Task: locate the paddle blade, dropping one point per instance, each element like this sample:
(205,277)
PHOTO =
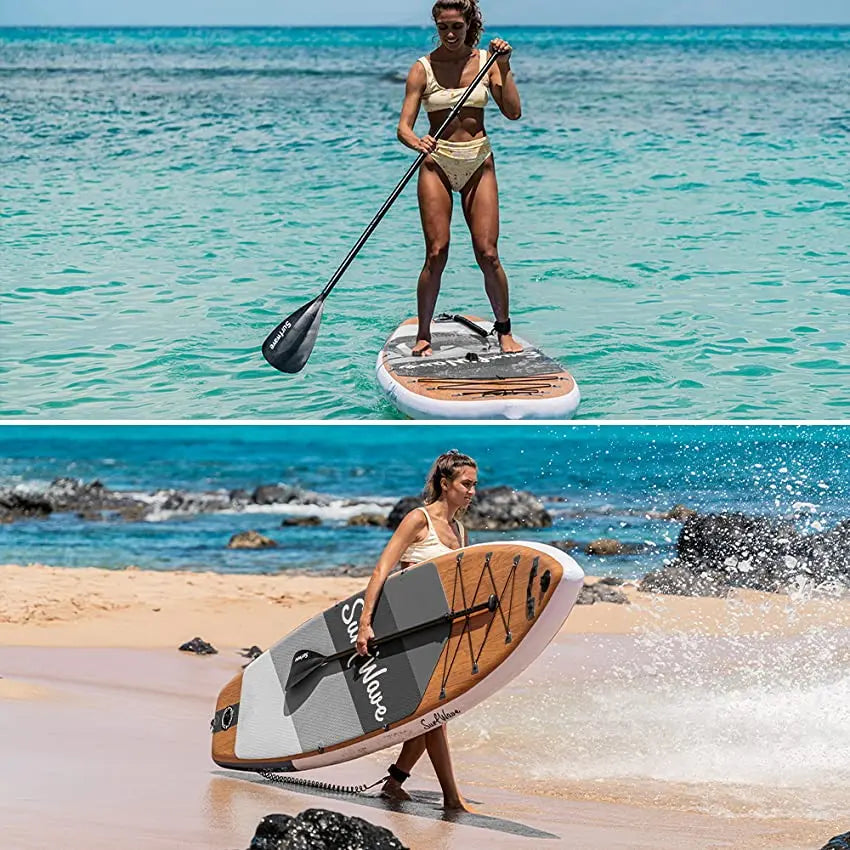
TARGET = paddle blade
(304,663)
(289,345)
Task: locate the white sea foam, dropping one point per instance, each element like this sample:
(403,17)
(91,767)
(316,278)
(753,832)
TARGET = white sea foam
(752,724)
(336,510)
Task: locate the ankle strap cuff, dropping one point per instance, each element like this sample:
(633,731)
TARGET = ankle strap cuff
(502,327)
(397,773)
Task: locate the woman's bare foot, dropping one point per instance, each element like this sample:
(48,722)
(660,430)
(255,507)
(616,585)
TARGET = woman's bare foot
(509,344)
(422,348)
(456,804)
(392,790)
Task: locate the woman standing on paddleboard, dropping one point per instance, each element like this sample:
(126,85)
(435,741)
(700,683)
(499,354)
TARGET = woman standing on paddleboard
(425,533)
(461,160)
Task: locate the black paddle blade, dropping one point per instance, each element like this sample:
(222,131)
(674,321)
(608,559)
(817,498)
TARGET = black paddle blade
(289,345)
(303,664)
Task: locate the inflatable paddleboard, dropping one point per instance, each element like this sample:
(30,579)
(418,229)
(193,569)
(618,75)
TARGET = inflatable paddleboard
(450,632)
(468,376)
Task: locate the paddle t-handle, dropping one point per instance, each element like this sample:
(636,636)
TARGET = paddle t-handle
(289,345)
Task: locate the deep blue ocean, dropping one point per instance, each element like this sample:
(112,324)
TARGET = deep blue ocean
(596,481)
(674,208)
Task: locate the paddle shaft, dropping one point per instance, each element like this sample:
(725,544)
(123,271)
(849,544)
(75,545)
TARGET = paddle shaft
(451,616)
(404,181)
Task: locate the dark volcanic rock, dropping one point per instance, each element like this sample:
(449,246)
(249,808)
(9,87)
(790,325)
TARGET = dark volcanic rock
(565,545)
(199,646)
(503,508)
(717,552)
(609,546)
(300,521)
(22,506)
(91,516)
(89,500)
(277,494)
(602,591)
(250,540)
(826,555)
(401,509)
(749,551)
(182,501)
(679,513)
(763,553)
(320,829)
(134,513)
(493,509)
(270,832)
(251,652)
(679,581)
(93,500)
(377,520)
(69,494)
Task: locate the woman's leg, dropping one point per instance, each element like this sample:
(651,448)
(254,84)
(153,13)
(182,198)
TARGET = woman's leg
(411,752)
(435,210)
(437,744)
(480,200)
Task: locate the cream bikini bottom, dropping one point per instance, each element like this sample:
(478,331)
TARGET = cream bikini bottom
(460,160)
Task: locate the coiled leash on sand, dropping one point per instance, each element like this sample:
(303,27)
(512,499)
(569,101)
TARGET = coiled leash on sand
(393,772)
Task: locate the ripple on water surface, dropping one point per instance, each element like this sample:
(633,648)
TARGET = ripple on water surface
(672,204)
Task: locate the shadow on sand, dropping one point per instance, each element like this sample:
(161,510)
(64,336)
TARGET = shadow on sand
(425,804)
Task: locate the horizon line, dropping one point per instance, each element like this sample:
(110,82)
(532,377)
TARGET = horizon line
(752,25)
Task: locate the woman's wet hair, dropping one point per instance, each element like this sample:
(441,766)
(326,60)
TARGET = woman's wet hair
(471,14)
(447,465)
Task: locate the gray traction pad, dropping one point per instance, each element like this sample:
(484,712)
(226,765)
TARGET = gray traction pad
(339,702)
(449,362)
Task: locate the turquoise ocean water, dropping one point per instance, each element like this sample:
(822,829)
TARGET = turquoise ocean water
(674,217)
(595,482)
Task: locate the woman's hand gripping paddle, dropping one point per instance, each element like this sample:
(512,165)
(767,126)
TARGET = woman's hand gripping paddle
(289,345)
(306,661)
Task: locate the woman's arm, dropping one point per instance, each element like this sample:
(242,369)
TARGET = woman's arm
(409,530)
(414,88)
(502,83)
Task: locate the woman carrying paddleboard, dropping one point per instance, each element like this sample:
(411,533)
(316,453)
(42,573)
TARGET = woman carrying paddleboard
(423,534)
(462,159)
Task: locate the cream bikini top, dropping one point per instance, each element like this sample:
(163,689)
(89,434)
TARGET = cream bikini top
(431,547)
(435,97)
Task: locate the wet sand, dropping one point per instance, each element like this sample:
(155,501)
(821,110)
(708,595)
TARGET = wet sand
(111,723)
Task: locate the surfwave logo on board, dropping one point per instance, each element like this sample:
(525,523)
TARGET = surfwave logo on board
(438,717)
(280,335)
(369,672)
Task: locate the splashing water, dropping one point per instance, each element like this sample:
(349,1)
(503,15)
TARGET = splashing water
(724,725)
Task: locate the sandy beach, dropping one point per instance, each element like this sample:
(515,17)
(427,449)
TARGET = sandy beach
(111,722)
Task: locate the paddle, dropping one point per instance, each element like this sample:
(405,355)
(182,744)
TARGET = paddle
(289,345)
(306,661)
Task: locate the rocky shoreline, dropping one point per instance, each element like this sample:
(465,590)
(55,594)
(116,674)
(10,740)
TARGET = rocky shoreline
(94,501)
(714,552)
(718,552)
